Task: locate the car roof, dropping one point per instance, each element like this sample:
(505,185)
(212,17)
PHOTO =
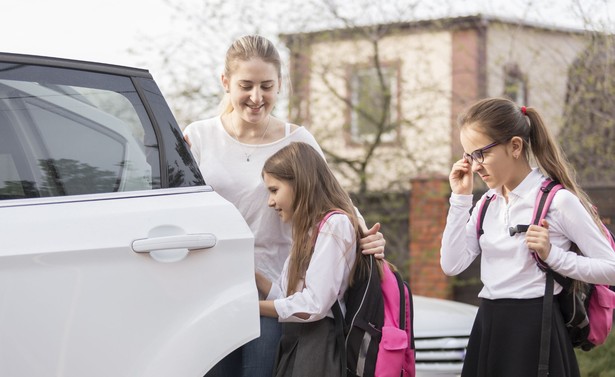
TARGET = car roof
(49,61)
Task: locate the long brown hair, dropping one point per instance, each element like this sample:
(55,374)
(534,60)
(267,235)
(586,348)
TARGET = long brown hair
(501,119)
(244,49)
(317,192)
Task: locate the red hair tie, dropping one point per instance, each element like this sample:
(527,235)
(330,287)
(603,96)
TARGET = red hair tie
(524,110)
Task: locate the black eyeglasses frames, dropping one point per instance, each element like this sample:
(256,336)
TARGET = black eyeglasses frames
(478,155)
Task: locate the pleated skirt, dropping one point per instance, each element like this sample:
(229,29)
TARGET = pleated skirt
(505,341)
(308,350)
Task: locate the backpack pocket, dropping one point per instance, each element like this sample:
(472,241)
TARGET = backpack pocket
(394,338)
(600,313)
(391,352)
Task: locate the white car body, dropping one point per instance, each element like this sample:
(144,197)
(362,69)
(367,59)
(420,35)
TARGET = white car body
(154,278)
(441,332)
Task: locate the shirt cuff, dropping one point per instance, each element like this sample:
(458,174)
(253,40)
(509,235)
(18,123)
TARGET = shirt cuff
(461,200)
(554,255)
(283,310)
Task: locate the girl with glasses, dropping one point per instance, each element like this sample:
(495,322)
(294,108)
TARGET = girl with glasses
(501,139)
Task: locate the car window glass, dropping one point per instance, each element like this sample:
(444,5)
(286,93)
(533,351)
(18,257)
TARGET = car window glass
(70,138)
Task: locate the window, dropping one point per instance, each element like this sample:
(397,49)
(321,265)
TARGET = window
(373,106)
(515,86)
(62,140)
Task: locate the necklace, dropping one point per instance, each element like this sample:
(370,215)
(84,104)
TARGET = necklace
(245,153)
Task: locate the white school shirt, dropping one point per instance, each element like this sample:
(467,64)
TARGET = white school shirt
(222,161)
(507,267)
(326,278)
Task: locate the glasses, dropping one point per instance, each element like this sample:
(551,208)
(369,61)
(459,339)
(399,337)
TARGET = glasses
(478,155)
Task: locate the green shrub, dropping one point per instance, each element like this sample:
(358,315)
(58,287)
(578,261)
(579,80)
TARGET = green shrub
(599,362)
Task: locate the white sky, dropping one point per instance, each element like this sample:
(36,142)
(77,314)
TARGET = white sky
(104,30)
(99,30)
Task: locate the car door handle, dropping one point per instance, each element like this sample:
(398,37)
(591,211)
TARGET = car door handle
(184,241)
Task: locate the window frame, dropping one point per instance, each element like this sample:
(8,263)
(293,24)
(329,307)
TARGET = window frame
(514,78)
(392,70)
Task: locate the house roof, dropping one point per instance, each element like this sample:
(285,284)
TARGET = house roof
(449,23)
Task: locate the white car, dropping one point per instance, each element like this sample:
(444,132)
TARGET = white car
(441,332)
(116,258)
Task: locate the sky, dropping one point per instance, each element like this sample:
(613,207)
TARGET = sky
(105,30)
(99,30)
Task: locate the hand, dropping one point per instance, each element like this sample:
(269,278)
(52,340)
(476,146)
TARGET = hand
(262,284)
(537,239)
(187,139)
(373,242)
(460,177)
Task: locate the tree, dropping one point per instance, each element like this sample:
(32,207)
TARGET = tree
(589,128)
(362,128)
(368,114)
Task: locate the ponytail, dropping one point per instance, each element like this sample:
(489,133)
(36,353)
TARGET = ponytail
(553,162)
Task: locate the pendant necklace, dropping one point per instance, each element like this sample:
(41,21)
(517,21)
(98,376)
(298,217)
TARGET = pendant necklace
(246,154)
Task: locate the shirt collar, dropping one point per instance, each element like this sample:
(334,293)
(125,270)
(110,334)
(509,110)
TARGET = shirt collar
(527,186)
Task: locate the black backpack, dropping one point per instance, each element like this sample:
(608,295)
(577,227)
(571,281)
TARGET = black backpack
(359,333)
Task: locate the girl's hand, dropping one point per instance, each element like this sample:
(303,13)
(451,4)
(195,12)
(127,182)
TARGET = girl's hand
(537,239)
(373,242)
(460,177)
(262,284)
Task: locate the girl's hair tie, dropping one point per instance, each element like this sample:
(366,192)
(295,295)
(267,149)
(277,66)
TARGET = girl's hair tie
(524,110)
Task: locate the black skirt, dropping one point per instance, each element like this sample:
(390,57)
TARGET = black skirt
(505,341)
(308,350)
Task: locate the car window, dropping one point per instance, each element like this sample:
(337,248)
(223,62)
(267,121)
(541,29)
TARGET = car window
(73,136)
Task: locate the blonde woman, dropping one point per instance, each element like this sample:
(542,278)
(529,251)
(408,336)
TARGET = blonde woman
(231,149)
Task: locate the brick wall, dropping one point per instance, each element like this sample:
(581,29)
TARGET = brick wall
(428,209)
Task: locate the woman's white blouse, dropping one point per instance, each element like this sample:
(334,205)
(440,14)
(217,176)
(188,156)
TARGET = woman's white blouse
(326,278)
(507,267)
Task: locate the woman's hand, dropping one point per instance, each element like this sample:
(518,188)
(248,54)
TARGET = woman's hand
(373,242)
(537,239)
(460,177)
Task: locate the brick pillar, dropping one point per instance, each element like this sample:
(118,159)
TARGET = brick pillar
(428,210)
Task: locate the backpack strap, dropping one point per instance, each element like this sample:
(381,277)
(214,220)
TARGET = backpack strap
(338,317)
(322,223)
(543,201)
(340,338)
(481,215)
(324,219)
(402,300)
(545,329)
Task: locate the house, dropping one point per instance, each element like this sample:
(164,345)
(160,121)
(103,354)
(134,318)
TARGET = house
(393,92)
(383,101)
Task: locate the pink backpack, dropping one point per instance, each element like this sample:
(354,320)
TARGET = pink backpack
(376,335)
(394,351)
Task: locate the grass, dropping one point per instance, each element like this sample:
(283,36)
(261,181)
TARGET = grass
(600,361)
